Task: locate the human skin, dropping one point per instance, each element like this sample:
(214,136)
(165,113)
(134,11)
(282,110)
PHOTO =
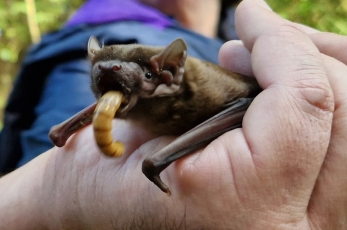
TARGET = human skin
(285,169)
(201,16)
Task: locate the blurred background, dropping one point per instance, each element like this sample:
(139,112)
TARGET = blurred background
(22,22)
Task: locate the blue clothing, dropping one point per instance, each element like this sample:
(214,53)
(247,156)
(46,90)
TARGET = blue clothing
(53,83)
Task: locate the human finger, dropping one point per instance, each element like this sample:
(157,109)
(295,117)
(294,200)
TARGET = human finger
(287,128)
(235,57)
(331,44)
(327,208)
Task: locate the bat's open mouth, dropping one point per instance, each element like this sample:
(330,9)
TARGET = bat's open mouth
(109,83)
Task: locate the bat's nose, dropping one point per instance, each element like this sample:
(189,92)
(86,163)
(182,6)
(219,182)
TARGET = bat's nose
(105,68)
(116,67)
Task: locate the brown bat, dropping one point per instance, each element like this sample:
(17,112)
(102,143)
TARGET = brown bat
(169,94)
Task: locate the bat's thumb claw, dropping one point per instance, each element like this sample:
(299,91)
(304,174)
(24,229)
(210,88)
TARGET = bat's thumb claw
(163,187)
(168,192)
(152,172)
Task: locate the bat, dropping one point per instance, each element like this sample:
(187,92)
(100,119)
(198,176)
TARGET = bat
(168,93)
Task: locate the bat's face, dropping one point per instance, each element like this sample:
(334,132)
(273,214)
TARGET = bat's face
(135,70)
(127,77)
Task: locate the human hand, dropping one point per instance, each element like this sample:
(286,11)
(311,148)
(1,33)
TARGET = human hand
(269,174)
(326,206)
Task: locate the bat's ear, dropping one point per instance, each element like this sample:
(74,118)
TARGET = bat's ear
(169,63)
(93,46)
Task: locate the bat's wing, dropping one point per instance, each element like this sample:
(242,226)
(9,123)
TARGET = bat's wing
(61,132)
(196,138)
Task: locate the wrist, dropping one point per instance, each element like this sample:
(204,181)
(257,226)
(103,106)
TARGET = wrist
(20,203)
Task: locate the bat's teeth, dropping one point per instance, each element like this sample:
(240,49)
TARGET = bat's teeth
(131,103)
(127,90)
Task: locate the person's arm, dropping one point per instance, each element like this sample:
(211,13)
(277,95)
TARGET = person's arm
(284,169)
(20,200)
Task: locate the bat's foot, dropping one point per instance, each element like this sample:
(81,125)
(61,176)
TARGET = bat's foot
(152,172)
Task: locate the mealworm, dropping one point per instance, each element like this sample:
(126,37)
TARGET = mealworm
(102,123)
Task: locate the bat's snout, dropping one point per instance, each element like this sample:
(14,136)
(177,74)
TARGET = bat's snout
(105,67)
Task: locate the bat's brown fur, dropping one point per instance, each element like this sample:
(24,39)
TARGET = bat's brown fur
(205,91)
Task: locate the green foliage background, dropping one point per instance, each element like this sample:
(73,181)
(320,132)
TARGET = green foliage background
(15,36)
(325,15)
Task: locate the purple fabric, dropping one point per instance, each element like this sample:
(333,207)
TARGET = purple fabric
(104,11)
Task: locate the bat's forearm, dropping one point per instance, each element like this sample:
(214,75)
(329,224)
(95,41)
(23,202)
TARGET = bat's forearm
(61,132)
(194,139)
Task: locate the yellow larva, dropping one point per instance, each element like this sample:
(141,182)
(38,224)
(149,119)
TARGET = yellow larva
(102,123)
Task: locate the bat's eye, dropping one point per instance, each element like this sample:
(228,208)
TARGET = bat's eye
(148,75)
